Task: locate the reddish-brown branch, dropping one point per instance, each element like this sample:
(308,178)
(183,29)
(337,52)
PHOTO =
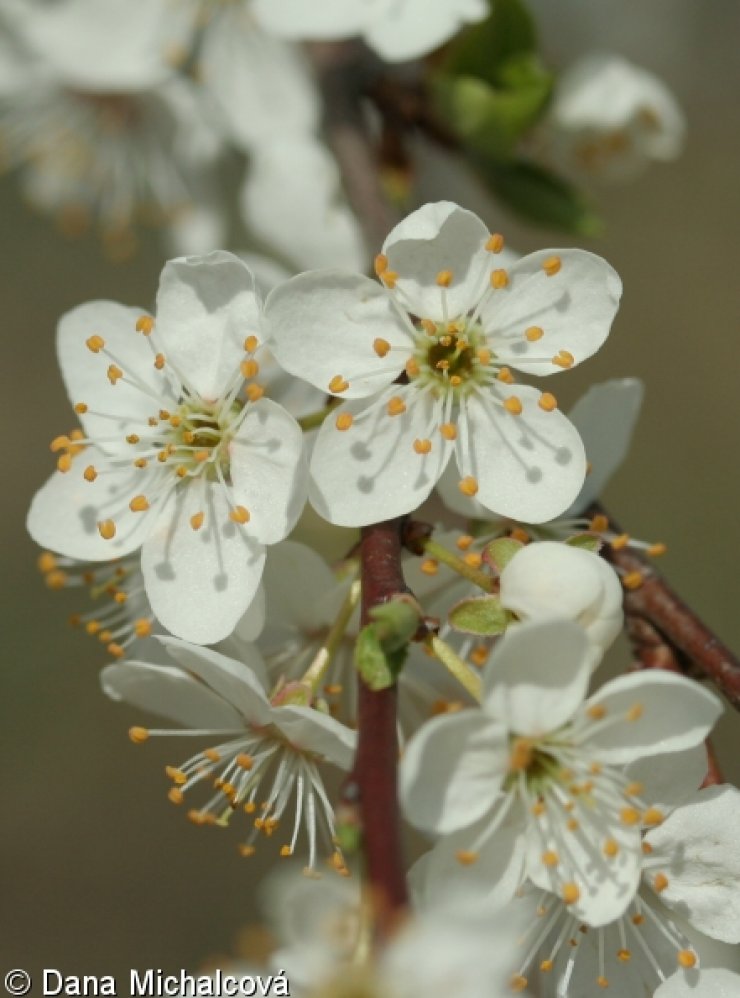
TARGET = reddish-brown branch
(681,629)
(372,786)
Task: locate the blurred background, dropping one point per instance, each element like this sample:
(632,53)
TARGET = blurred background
(99,871)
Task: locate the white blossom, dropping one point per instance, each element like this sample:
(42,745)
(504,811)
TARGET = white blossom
(454,324)
(179,457)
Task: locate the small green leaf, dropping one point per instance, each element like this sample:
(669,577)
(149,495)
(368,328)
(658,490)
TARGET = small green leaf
(586,541)
(395,622)
(482,615)
(348,837)
(501,551)
(540,196)
(371,661)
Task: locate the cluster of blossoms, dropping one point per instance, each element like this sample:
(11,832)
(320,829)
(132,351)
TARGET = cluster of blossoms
(574,814)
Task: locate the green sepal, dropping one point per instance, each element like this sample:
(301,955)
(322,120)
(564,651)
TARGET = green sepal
(349,837)
(500,552)
(540,196)
(379,668)
(396,622)
(482,615)
(586,541)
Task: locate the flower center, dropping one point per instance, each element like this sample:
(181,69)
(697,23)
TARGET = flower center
(450,356)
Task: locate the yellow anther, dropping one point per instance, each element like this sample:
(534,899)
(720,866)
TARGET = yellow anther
(546,966)
(518,982)
(181,471)
(448,431)
(212,755)
(396,406)
(464,541)
(422,446)
(547,401)
(56,579)
(474,559)
(104,636)
(254,392)
(495,242)
(244,761)
(138,735)
(411,367)
(107,529)
(429,566)
(389,278)
(656,550)
(635,712)
(140,462)
(633,580)
(196,520)
(624,955)
(142,627)
(429,327)
(176,775)
(286,851)
(239,514)
(563,358)
(521,754)
(599,523)
(572,825)
(484,356)
(46,562)
(660,882)
(114,373)
(517,534)
(444,278)
(637,919)
(249,368)
(338,384)
(92,627)
(610,849)
(144,324)
(570,892)
(505,375)
(175,420)
(188,436)
(634,789)
(646,848)
(550,858)
(344,421)
(468,485)
(246,850)
(59,443)
(602,981)
(596,711)
(250,807)
(139,504)
(534,333)
(81,407)
(333,689)
(116,650)
(538,808)
(381,346)
(251,343)
(686,958)
(64,463)
(629,816)
(95,343)
(381,264)
(479,656)
(159,361)
(513,405)
(442,365)
(175,795)
(455,380)
(617,543)
(201,455)
(653,816)
(552,265)
(466,857)
(152,420)
(499,279)
(132,438)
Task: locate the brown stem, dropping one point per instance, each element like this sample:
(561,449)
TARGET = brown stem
(679,626)
(372,786)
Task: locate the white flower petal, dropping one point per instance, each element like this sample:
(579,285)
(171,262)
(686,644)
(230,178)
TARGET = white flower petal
(292,200)
(659,712)
(200,582)
(549,579)
(700,842)
(298,581)
(528,467)
(235,682)
(537,676)
(435,238)
(171,693)
(574,309)
(714,982)
(605,418)
(67,509)
(327,20)
(311,731)
(268,470)
(85,374)
(669,779)
(371,471)
(413,28)
(206,306)
(452,770)
(261,84)
(324,324)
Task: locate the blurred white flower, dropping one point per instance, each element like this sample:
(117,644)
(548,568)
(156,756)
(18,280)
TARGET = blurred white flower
(183,455)
(609,119)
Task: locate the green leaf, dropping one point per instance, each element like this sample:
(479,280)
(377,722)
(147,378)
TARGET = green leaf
(482,615)
(586,541)
(484,48)
(371,661)
(540,196)
(501,551)
(396,622)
